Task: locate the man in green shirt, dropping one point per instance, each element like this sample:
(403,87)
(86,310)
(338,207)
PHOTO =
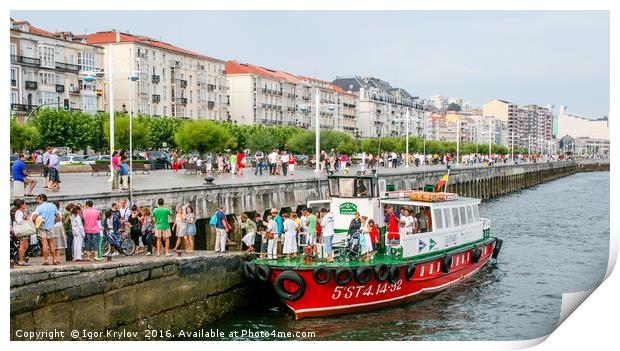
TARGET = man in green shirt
(162,226)
(311,224)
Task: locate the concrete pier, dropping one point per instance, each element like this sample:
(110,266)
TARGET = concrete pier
(126,295)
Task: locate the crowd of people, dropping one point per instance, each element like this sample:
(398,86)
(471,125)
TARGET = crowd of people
(81,231)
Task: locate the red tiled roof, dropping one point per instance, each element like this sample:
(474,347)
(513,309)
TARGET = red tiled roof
(38,31)
(233,67)
(110,37)
(326,84)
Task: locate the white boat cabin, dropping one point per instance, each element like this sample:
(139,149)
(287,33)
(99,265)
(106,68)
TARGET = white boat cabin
(452,223)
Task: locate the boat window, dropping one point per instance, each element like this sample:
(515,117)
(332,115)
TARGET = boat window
(438,218)
(470,217)
(363,188)
(463,217)
(476,214)
(346,186)
(333,187)
(447,217)
(455,216)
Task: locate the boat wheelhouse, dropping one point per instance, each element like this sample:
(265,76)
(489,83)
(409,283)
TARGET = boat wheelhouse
(453,245)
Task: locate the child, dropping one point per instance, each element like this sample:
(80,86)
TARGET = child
(191,227)
(77,228)
(374,237)
(124,173)
(291,164)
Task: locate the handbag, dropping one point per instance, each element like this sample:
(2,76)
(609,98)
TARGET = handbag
(25,229)
(213,220)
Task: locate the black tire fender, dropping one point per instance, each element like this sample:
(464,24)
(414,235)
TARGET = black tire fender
(410,271)
(318,271)
(263,273)
(363,274)
(249,270)
(446,264)
(476,255)
(348,276)
(498,247)
(381,272)
(394,274)
(292,276)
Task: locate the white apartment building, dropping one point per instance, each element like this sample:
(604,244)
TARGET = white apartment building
(383,109)
(48,67)
(581,127)
(173,82)
(260,95)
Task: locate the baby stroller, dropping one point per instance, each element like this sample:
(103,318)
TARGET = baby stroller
(352,249)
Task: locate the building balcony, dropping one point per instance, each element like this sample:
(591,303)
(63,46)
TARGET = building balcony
(156,98)
(211,105)
(67,67)
(13,82)
(22,107)
(31,85)
(211,87)
(75,90)
(183,83)
(60,88)
(26,61)
(155,79)
(181,100)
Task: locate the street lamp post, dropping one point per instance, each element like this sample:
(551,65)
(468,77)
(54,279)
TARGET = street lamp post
(132,78)
(111,104)
(317,127)
(458,139)
(407,140)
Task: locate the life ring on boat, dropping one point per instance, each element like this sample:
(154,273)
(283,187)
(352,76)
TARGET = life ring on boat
(394,274)
(262,272)
(498,247)
(291,276)
(447,264)
(363,274)
(348,276)
(381,272)
(476,256)
(320,271)
(249,269)
(409,271)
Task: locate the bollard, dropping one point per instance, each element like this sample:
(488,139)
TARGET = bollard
(179,253)
(108,258)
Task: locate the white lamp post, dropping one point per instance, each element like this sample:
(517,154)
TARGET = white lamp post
(132,78)
(407,140)
(458,139)
(317,131)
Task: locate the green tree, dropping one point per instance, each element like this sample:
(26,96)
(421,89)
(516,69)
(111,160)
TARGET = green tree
(262,139)
(162,130)
(203,136)
(73,129)
(140,136)
(23,136)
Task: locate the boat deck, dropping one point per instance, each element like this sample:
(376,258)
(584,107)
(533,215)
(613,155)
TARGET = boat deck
(298,262)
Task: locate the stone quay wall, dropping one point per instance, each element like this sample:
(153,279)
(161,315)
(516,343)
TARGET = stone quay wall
(127,296)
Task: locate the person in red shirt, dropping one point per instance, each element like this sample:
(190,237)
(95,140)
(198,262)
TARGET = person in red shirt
(291,164)
(240,162)
(393,234)
(374,237)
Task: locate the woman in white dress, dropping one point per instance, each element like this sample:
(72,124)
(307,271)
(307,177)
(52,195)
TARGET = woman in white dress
(181,230)
(366,242)
(290,233)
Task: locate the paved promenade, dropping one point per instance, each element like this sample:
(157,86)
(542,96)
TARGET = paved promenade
(84,183)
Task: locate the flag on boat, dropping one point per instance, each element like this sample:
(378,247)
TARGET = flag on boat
(442,182)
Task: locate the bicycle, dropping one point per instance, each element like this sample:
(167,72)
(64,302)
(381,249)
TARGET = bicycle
(121,242)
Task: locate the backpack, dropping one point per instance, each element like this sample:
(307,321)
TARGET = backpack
(213,220)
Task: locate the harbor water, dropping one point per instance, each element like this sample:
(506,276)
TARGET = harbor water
(556,240)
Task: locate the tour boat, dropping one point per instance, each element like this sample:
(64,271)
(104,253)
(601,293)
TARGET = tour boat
(456,245)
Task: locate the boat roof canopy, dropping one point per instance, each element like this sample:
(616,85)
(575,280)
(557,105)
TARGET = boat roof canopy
(453,203)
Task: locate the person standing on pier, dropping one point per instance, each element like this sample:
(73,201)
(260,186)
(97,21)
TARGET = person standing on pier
(147,230)
(49,215)
(290,232)
(250,232)
(135,227)
(258,156)
(91,217)
(77,230)
(190,221)
(116,170)
(162,226)
(220,229)
(273,159)
(180,230)
(240,162)
(311,223)
(284,159)
(272,238)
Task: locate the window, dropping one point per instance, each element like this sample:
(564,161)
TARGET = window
(165,112)
(164,93)
(13,49)
(470,217)
(463,216)
(455,216)
(346,187)
(47,78)
(163,73)
(14,99)
(476,214)
(88,103)
(46,54)
(86,60)
(438,218)
(48,97)
(447,217)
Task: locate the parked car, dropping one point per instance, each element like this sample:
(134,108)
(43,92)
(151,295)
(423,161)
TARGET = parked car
(159,159)
(91,160)
(71,159)
(14,157)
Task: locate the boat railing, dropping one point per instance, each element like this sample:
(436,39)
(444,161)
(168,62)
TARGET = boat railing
(486,227)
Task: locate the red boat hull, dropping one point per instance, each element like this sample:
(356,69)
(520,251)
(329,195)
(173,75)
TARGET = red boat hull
(332,299)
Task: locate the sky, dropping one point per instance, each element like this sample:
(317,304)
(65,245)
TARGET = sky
(540,57)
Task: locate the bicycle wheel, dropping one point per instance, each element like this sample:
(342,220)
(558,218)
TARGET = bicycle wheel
(128,247)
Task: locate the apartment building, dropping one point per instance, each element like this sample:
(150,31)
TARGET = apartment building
(48,67)
(173,81)
(260,95)
(538,128)
(581,127)
(383,109)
